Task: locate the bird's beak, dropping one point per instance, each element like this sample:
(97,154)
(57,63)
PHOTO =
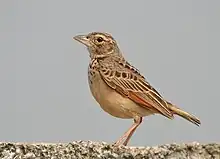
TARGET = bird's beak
(82,39)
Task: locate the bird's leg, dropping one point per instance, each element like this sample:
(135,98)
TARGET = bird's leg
(127,135)
(137,122)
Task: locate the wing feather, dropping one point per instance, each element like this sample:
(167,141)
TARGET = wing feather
(132,84)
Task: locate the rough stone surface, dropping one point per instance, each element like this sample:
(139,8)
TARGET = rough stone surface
(89,150)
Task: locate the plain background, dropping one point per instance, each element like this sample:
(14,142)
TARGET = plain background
(44,94)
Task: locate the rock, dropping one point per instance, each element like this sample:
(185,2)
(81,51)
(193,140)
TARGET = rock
(89,150)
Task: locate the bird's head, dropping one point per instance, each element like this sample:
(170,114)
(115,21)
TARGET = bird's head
(99,44)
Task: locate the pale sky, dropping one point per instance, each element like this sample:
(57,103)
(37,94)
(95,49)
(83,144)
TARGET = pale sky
(44,93)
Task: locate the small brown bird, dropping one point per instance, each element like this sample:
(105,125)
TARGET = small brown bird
(119,87)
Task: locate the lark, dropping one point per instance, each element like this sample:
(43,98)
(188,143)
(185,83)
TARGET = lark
(120,89)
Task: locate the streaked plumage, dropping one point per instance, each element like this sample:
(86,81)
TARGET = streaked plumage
(119,87)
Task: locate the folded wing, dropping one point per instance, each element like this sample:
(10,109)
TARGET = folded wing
(129,82)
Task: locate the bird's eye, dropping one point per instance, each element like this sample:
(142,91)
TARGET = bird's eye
(100,39)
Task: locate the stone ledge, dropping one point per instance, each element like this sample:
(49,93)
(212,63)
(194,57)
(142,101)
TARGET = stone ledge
(89,150)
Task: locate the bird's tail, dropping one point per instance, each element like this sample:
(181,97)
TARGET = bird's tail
(184,114)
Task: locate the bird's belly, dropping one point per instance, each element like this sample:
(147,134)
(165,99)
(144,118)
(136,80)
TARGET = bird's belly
(113,102)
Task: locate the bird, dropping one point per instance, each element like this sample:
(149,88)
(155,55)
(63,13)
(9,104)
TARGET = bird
(120,89)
